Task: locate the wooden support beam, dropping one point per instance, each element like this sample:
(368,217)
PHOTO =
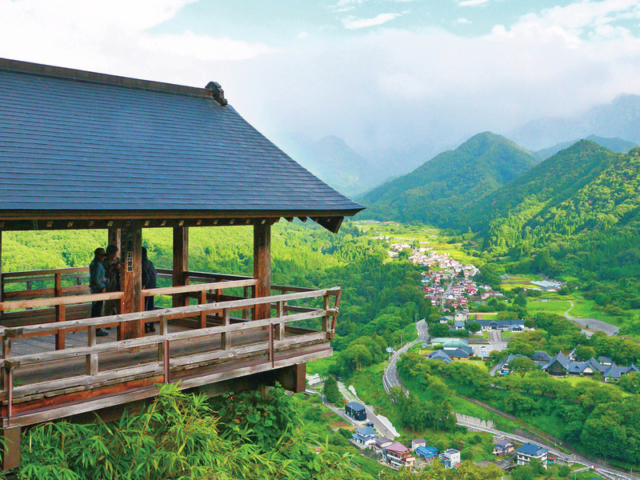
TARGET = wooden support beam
(292,378)
(225,337)
(203,314)
(131,279)
(11,438)
(60,312)
(180,263)
(92,358)
(262,267)
(1,276)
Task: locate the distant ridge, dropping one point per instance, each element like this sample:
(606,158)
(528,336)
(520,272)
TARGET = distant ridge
(444,186)
(619,118)
(614,144)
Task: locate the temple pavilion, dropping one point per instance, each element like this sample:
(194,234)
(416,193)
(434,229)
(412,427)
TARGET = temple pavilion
(82,150)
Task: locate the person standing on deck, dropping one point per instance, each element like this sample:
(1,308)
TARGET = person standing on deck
(97,284)
(149,278)
(112,267)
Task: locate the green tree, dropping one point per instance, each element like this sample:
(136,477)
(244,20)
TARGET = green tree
(331,390)
(584,353)
(521,365)
(474,327)
(630,382)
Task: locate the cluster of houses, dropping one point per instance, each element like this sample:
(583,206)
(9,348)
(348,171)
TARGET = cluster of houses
(561,365)
(395,454)
(524,454)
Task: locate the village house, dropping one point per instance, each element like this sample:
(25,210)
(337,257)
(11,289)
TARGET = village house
(530,451)
(379,444)
(502,447)
(560,365)
(429,454)
(397,455)
(355,411)
(418,442)
(364,437)
(503,325)
(440,355)
(450,458)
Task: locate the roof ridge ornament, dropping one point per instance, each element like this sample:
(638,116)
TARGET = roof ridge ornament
(218,93)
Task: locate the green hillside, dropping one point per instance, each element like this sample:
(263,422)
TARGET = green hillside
(575,214)
(444,187)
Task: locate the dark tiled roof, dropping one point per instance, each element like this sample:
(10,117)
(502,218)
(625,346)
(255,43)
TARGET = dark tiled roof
(355,406)
(459,353)
(501,323)
(440,355)
(541,356)
(71,140)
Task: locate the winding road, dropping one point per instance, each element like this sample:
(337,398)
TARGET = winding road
(592,324)
(390,378)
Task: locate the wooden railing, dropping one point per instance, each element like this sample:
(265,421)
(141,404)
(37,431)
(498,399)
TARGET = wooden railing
(60,297)
(163,363)
(29,278)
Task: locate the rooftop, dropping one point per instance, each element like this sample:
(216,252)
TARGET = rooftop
(80,141)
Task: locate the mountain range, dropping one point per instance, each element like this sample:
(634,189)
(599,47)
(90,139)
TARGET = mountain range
(445,186)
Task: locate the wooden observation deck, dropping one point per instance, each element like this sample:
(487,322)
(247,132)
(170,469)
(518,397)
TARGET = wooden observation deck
(80,150)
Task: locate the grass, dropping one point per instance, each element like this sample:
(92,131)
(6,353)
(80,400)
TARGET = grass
(583,308)
(320,366)
(558,307)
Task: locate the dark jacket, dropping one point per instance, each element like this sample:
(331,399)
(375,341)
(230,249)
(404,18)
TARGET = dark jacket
(149,274)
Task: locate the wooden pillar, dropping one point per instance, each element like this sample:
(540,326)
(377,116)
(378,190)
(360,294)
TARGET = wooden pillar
(11,451)
(180,263)
(1,277)
(262,267)
(60,313)
(131,279)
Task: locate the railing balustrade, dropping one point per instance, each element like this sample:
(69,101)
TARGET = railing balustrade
(162,363)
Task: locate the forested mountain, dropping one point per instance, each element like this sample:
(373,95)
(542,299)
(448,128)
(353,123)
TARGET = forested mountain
(577,213)
(614,144)
(448,184)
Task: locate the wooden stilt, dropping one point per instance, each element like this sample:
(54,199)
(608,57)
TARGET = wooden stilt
(131,279)
(262,267)
(180,263)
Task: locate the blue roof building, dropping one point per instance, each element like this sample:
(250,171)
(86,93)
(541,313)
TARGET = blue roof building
(428,453)
(530,451)
(364,436)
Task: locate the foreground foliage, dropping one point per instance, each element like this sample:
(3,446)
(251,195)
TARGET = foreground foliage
(179,436)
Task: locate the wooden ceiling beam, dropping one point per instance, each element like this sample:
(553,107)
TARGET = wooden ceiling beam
(64,224)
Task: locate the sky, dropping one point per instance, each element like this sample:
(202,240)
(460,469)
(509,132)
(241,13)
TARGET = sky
(383,75)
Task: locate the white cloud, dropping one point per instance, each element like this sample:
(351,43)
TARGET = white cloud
(576,19)
(353,23)
(472,3)
(112,36)
(385,89)
(462,21)
(302,36)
